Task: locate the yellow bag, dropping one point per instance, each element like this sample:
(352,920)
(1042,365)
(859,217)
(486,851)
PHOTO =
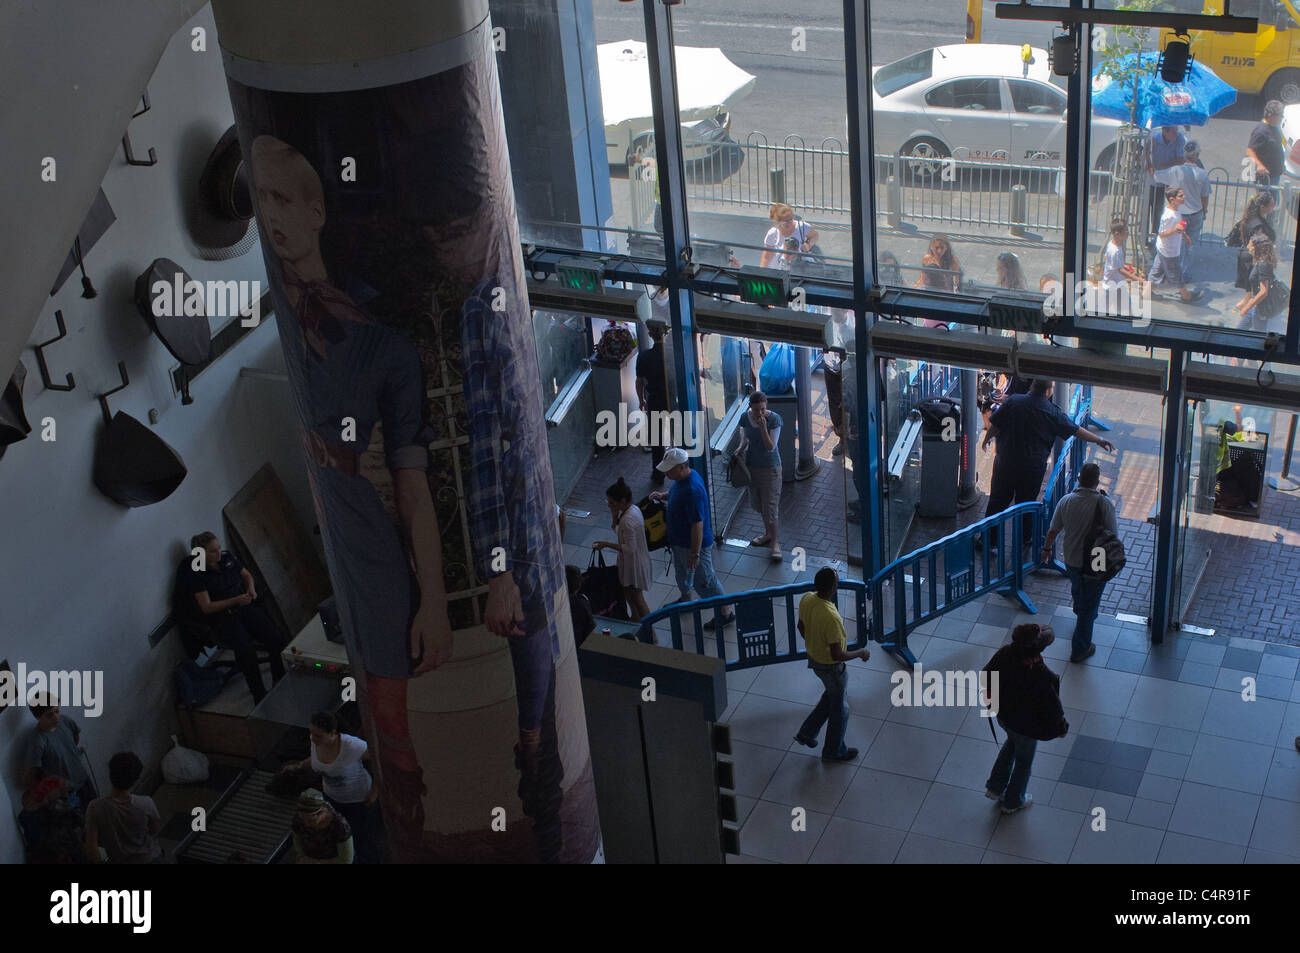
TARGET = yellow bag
(655,516)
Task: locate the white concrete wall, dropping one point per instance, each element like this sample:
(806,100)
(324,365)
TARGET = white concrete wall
(83,580)
(70,77)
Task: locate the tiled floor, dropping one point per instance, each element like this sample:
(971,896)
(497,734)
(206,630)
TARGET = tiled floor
(1169,758)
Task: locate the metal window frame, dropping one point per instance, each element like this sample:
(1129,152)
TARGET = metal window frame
(870,303)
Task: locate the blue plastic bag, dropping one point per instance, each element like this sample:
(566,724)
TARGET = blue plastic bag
(777,373)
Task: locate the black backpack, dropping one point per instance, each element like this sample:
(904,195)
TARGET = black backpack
(1099,537)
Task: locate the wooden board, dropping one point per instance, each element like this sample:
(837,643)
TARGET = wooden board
(264,530)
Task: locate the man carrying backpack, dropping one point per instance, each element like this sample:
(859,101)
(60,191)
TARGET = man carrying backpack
(1027,695)
(1086,516)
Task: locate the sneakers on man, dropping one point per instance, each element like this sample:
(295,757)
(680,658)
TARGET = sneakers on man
(848,755)
(1088,653)
(1029,799)
(806,742)
(992,795)
(712,623)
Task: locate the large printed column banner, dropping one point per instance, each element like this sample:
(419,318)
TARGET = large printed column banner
(387,220)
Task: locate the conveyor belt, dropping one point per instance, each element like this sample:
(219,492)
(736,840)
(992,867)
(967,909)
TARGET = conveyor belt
(246,819)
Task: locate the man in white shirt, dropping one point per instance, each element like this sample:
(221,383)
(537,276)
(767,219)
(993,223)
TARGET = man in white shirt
(1167,269)
(1074,517)
(1195,183)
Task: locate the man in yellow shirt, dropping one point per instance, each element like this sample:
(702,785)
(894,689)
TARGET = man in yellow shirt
(823,634)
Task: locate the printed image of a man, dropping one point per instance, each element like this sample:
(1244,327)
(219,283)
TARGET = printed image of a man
(353,374)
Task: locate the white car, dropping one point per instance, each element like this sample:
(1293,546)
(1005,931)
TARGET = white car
(978,102)
(707,85)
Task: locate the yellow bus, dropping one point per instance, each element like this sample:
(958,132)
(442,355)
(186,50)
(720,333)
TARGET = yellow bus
(1266,62)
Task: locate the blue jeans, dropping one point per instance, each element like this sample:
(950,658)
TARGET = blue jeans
(832,707)
(1011,771)
(1086,593)
(703,580)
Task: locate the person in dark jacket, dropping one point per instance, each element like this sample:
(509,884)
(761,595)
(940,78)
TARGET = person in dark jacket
(1026,696)
(1255,221)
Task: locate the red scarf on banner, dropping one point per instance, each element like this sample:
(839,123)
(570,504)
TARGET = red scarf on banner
(320,308)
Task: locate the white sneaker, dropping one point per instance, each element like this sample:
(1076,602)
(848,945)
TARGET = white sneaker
(1029,799)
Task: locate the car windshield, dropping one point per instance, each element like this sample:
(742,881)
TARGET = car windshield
(903,73)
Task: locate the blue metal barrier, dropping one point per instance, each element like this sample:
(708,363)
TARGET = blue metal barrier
(756,631)
(970,563)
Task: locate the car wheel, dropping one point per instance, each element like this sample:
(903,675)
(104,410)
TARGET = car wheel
(1284,85)
(922,160)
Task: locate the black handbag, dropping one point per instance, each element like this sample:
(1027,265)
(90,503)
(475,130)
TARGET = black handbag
(603,590)
(738,474)
(1099,537)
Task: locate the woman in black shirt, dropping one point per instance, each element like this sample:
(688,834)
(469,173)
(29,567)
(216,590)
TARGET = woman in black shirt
(1267,297)
(1253,222)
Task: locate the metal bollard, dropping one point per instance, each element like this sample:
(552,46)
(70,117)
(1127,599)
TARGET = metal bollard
(894,201)
(1019,209)
(776,185)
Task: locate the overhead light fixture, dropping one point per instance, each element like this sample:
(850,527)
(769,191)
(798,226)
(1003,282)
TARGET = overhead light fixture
(1065,55)
(1176,60)
(87,289)
(1180,22)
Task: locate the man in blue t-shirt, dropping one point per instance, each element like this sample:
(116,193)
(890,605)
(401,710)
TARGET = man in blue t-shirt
(1026,427)
(54,750)
(690,533)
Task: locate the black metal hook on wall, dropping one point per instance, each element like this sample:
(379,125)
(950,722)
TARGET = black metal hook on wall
(103,398)
(40,357)
(126,138)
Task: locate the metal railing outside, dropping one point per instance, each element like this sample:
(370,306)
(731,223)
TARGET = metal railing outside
(814,179)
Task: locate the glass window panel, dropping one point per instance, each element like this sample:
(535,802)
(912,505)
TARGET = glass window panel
(762,109)
(1197,279)
(969,137)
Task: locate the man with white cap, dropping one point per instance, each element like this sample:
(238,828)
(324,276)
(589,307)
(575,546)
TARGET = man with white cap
(690,533)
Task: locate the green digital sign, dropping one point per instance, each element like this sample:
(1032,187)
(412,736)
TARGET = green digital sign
(758,289)
(580,275)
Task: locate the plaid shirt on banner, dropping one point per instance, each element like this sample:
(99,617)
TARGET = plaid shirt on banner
(510,465)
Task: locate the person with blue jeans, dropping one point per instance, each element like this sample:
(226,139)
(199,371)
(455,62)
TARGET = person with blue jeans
(690,533)
(1074,517)
(823,633)
(1025,695)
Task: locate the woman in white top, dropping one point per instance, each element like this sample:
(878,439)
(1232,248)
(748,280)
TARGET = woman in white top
(633,553)
(338,758)
(785,225)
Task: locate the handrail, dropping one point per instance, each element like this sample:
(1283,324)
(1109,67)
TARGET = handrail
(756,636)
(727,427)
(568,395)
(958,557)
